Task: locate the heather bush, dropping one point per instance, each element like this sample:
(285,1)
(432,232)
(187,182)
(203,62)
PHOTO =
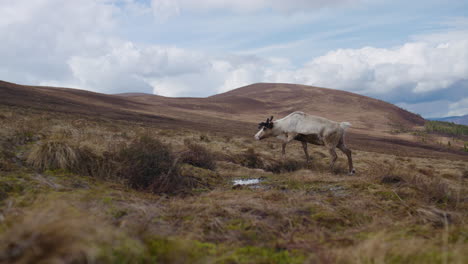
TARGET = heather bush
(149,164)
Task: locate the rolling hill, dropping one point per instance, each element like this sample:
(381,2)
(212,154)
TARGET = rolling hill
(235,112)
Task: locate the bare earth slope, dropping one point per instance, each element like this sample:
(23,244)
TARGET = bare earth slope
(237,111)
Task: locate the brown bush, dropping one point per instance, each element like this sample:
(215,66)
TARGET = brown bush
(198,156)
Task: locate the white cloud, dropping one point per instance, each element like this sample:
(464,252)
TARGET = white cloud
(415,67)
(38,36)
(127,66)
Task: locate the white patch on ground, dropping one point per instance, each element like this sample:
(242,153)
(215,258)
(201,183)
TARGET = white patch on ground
(246,181)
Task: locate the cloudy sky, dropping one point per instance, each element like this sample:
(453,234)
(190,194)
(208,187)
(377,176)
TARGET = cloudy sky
(411,53)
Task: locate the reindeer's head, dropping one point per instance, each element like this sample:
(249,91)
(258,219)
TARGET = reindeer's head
(266,129)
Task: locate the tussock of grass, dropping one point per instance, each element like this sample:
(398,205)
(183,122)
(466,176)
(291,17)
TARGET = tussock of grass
(60,154)
(54,154)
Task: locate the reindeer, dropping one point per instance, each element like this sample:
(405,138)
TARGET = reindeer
(308,129)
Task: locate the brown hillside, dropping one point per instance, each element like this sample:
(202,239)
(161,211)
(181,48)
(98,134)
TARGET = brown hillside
(237,112)
(362,111)
(255,102)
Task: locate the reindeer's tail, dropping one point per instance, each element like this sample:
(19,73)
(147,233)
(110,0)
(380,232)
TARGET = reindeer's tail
(345,125)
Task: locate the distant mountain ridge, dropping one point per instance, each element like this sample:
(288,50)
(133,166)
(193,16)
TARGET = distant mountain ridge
(461,120)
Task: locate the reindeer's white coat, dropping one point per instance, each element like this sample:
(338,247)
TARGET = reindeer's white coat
(329,132)
(302,123)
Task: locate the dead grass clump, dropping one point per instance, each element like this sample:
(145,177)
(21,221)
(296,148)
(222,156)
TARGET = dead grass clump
(54,154)
(58,154)
(198,156)
(148,164)
(436,190)
(434,216)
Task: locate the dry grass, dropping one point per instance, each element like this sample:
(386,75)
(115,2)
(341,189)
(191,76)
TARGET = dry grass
(394,210)
(54,155)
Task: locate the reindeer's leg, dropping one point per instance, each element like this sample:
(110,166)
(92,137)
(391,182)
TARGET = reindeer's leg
(333,155)
(288,138)
(347,151)
(304,146)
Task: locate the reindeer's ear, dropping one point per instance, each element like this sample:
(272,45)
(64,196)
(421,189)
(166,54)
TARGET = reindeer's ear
(271,118)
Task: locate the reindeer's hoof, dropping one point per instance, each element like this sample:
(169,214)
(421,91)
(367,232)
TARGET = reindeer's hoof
(352,172)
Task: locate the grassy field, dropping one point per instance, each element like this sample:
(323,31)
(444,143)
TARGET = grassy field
(79,190)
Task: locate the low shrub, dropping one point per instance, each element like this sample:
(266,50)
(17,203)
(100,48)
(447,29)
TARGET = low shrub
(149,164)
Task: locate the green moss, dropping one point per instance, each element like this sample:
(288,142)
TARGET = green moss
(163,250)
(261,255)
(16,184)
(184,251)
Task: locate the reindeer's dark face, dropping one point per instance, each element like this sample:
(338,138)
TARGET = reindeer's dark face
(266,129)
